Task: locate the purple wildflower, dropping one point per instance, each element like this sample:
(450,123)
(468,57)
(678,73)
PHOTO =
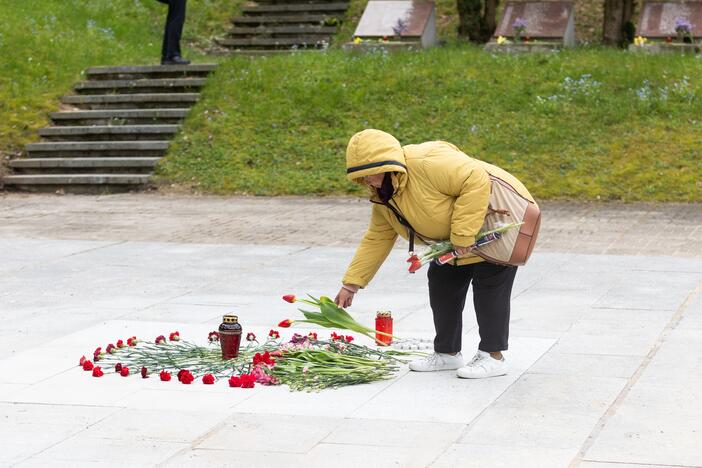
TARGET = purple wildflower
(519,24)
(683,26)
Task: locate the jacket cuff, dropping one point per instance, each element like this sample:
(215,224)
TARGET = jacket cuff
(354,280)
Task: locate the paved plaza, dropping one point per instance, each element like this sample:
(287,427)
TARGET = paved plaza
(605,349)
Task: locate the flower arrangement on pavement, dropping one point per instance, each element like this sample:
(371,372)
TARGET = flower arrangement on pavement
(302,363)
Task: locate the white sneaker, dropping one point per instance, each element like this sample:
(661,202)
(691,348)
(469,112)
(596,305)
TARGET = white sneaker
(437,362)
(483,365)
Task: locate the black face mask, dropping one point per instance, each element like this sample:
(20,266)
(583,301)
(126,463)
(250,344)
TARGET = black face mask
(386,190)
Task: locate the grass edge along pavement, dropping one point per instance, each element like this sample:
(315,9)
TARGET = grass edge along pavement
(587,124)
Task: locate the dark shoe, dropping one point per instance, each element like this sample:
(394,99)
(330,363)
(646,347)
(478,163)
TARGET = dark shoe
(177,60)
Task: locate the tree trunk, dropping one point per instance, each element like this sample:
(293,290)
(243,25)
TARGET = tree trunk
(477,19)
(617,16)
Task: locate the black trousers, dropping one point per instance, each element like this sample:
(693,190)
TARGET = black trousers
(492,288)
(174,28)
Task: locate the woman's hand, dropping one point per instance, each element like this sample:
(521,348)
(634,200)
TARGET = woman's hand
(462,250)
(345,296)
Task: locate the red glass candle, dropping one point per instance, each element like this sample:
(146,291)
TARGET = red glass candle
(383,323)
(230,336)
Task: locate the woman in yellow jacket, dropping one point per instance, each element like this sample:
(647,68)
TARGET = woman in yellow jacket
(429,192)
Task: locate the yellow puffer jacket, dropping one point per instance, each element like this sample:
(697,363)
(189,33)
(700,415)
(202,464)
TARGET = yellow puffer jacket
(439,190)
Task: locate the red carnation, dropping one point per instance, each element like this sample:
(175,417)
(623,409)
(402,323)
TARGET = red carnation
(144,373)
(213,336)
(208,379)
(118,367)
(160,339)
(274,334)
(97,354)
(415,266)
(276,353)
(81,361)
(120,344)
(87,365)
(124,371)
(336,337)
(110,348)
(97,372)
(175,336)
(348,338)
(234,381)
(247,381)
(187,378)
(132,341)
(165,376)
(180,373)
(285,323)
(250,337)
(289,298)
(312,336)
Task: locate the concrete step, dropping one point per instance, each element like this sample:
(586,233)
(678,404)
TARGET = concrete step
(277,31)
(264,52)
(150,71)
(287,8)
(109,132)
(132,101)
(84,165)
(166,85)
(284,19)
(119,117)
(97,148)
(303,42)
(77,183)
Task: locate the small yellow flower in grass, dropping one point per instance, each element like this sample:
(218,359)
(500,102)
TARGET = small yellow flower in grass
(639,41)
(501,40)
(357,40)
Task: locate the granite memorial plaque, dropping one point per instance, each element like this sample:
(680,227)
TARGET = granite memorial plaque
(542,20)
(658,19)
(403,19)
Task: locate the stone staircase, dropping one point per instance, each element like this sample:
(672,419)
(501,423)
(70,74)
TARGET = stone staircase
(112,132)
(282,26)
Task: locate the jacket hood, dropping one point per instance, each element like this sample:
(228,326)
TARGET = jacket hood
(372,152)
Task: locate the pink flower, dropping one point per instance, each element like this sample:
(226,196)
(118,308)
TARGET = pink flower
(261,377)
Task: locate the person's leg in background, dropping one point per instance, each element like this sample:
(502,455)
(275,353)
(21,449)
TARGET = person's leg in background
(170,52)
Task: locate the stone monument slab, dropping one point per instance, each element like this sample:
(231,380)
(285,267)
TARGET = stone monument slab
(658,18)
(542,19)
(406,20)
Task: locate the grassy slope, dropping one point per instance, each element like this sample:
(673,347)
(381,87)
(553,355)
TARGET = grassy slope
(46,44)
(631,131)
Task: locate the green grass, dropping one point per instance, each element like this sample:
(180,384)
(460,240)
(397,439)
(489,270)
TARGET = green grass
(630,130)
(46,44)
(587,124)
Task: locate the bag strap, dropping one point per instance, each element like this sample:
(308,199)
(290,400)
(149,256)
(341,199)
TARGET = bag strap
(412,232)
